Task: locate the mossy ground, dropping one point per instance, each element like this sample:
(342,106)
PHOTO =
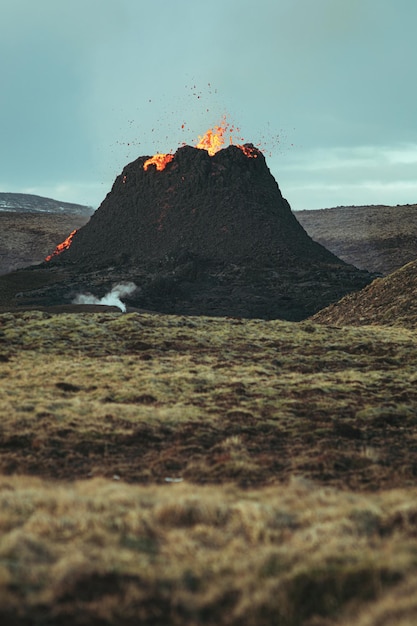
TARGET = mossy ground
(195,470)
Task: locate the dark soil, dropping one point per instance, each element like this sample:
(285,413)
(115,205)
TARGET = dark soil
(193,288)
(339,450)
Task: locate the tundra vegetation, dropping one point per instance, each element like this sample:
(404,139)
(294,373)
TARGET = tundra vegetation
(179,470)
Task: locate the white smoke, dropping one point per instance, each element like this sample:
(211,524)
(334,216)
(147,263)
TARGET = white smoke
(113,298)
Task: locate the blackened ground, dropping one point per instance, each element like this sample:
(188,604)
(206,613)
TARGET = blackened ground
(192,287)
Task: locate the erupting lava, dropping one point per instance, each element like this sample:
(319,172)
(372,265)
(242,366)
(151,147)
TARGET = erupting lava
(159,160)
(62,246)
(212,141)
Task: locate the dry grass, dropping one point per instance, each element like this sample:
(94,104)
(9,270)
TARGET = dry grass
(293,444)
(105,552)
(389,301)
(206,399)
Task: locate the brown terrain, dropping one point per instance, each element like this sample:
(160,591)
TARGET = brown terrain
(31,226)
(212,469)
(27,238)
(376,238)
(390,301)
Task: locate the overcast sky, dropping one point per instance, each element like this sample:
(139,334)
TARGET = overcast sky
(328,87)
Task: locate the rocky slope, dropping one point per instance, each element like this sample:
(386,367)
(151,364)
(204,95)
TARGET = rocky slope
(31,226)
(388,301)
(223,208)
(376,238)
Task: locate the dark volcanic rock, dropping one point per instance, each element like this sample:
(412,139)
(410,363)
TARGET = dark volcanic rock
(206,235)
(225,207)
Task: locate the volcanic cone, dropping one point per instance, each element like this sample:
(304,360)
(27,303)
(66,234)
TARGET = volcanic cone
(204,234)
(226,207)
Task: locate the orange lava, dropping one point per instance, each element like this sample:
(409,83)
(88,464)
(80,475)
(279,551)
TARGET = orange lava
(213,140)
(62,246)
(250,151)
(159,160)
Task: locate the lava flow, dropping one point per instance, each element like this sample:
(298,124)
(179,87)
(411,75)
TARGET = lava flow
(62,246)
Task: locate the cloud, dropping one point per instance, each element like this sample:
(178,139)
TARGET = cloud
(89,86)
(337,176)
(365,155)
(313,197)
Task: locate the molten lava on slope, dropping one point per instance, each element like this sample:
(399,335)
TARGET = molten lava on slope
(62,246)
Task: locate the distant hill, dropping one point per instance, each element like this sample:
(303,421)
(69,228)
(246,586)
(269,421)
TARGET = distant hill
(32,226)
(390,301)
(376,238)
(29,203)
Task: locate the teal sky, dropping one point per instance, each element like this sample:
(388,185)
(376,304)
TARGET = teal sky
(327,87)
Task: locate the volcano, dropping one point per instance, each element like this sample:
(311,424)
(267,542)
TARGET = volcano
(221,208)
(207,233)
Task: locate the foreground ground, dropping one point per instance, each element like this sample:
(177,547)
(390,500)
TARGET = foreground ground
(184,470)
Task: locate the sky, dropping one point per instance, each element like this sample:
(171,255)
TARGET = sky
(327,88)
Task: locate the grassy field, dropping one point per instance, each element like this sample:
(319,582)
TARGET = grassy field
(193,470)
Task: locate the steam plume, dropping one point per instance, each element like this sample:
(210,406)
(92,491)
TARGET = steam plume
(113,298)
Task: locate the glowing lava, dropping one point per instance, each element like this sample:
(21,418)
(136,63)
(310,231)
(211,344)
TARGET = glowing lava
(159,160)
(250,151)
(212,141)
(62,246)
